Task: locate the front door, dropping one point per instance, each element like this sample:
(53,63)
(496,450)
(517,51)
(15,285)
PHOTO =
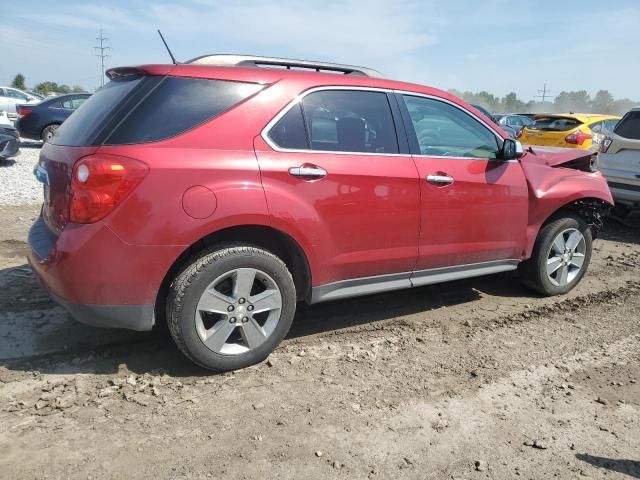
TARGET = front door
(332,170)
(474,206)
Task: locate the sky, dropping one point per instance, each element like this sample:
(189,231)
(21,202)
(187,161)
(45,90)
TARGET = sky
(495,45)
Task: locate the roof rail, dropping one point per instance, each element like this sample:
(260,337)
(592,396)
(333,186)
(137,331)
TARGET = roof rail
(255,61)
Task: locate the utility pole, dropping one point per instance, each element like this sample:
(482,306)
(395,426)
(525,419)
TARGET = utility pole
(544,93)
(101,53)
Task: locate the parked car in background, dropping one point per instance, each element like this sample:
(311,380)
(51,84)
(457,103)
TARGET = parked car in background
(619,161)
(11,97)
(513,120)
(275,186)
(39,122)
(8,141)
(570,130)
(512,132)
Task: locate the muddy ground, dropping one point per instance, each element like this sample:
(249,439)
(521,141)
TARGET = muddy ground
(471,379)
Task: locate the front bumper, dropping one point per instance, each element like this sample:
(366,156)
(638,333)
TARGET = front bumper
(96,277)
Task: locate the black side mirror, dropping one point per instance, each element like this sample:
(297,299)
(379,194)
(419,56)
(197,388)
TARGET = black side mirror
(511,149)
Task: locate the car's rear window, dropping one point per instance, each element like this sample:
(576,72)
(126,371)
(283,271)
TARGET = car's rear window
(554,124)
(629,126)
(135,110)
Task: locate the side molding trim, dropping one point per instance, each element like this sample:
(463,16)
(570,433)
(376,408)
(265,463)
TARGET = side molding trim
(384,283)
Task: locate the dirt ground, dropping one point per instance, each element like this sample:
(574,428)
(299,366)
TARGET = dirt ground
(472,379)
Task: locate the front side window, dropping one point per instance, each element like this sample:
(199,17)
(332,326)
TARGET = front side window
(338,121)
(446,131)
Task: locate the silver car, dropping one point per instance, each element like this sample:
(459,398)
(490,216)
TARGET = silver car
(619,160)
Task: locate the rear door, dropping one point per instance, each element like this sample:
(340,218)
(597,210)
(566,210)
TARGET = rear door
(474,206)
(335,170)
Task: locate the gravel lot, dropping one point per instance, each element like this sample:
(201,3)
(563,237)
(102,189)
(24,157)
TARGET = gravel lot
(18,186)
(475,379)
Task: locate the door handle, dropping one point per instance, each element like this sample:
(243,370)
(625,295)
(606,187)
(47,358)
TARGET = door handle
(440,180)
(308,171)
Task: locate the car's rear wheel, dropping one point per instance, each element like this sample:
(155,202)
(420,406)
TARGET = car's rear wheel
(560,258)
(48,132)
(231,307)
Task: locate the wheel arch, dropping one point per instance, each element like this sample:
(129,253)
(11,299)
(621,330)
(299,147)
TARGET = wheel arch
(591,208)
(273,240)
(48,125)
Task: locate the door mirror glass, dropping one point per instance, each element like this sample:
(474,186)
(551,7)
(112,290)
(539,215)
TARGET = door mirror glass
(511,149)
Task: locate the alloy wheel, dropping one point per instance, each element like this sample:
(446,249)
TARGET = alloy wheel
(566,257)
(238,311)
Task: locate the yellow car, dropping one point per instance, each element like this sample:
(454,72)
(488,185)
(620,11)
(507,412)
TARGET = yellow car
(572,130)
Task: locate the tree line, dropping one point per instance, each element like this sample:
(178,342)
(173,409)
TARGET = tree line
(579,102)
(46,88)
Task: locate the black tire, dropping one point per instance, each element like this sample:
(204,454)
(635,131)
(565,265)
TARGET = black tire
(187,288)
(47,132)
(533,272)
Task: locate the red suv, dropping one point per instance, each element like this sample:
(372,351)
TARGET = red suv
(219,193)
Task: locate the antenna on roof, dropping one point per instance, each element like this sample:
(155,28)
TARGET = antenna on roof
(173,59)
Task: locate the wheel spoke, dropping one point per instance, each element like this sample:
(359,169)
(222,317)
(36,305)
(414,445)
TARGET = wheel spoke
(563,275)
(574,240)
(243,283)
(577,260)
(252,333)
(553,264)
(559,245)
(266,301)
(218,335)
(214,301)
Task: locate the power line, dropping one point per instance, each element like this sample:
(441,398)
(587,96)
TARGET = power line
(101,50)
(544,93)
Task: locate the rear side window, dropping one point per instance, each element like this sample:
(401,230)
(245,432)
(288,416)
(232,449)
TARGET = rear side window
(84,126)
(177,105)
(339,121)
(629,126)
(141,109)
(554,124)
(289,132)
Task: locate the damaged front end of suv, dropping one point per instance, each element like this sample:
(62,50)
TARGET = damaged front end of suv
(561,179)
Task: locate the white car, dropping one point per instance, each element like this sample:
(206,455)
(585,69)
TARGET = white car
(619,161)
(10,97)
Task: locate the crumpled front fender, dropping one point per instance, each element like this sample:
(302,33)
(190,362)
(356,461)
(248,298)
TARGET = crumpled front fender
(552,188)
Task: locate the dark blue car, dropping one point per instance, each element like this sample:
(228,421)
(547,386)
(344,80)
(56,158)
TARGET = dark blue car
(39,122)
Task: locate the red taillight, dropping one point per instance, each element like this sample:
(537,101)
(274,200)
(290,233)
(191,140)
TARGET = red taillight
(23,111)
(578,137)
(605,144)
(100,183)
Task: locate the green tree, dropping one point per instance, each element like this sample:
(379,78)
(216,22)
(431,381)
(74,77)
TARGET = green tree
(52,88)
(18,82)
(77,89)
(577,102)
(602,102)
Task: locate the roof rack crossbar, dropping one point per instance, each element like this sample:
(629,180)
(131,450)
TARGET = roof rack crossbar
(255,61)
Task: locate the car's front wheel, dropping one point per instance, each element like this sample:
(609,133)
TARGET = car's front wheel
(231,307)
(560,256)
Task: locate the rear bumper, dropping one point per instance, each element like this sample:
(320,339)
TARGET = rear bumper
(132,317)
(96,277)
